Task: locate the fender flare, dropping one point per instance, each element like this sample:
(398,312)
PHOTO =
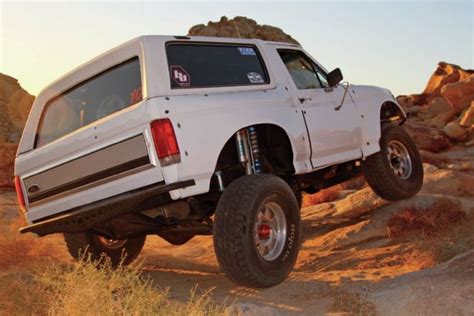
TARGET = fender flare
(385,111)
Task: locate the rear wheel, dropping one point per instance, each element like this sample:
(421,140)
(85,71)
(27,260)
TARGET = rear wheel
(396,171)
(257,231)
(89,243)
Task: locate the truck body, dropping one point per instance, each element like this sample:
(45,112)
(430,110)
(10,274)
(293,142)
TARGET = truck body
(153,125)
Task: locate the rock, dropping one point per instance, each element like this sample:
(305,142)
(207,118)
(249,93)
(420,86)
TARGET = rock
(7,158)
(440,120)
(413,109)
(412,100)
(437,106)
(15,104)
(443,75)
(448,182)
(465,166)
(241,27)
(437,113)
(432,159)
(454,131)
(427,138)
(428,168)
(459,94)
(467,117)
(353,184)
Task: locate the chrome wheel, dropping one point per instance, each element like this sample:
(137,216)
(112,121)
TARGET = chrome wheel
(270,231)
(399,159)
(112,243)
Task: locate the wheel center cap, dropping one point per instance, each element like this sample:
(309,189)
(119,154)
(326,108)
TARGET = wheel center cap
(264,231)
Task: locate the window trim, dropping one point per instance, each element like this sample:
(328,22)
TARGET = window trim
(60,94)
(254,46)
(314,65)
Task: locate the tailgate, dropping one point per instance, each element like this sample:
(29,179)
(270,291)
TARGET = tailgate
(98,167)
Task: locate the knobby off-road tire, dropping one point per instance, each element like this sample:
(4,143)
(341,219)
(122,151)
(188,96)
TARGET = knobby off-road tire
(81,245)
(254,213)
(396,172)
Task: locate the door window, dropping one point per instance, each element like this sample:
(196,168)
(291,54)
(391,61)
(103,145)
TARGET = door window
(305,73)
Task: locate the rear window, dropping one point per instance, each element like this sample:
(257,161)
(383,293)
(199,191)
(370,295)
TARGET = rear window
(95,98)
(207,65)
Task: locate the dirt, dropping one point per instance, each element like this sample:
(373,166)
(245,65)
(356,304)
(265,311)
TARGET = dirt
(347,263)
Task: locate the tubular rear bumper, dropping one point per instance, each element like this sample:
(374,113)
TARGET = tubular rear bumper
(87,216)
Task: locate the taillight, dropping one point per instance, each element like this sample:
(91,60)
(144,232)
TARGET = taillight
(166,145)
(19,194)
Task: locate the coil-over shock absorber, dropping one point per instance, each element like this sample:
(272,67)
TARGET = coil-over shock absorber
(248,151)
(254,149)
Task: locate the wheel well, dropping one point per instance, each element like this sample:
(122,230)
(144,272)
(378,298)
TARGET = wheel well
(390,112)
(275,148)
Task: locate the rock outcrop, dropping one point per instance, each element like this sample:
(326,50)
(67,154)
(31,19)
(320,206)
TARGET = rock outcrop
(15,104)
(442,115)
(241,27)
(443,75)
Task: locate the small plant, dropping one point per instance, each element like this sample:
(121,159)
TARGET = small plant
(429,221)
(96,288)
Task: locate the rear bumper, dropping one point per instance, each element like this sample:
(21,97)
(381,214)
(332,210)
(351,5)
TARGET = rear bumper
(87,216)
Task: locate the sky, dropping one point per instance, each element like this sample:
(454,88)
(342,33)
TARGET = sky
(393,44)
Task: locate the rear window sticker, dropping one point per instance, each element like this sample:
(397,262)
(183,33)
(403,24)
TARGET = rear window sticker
(247,51)
(180,76)
(255,77)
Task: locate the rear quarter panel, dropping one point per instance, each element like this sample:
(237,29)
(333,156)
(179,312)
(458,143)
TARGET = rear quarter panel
(204,123)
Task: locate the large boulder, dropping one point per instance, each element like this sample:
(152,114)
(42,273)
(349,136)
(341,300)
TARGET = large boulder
(445,74)
(15,105)
(407,101)
(459,94)
(454,131)
(467,117)
(427,138)
(437,113)
(241,27)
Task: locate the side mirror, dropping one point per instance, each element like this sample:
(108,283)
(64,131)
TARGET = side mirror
(334,77)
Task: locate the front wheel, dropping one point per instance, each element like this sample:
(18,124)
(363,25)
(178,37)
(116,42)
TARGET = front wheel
(396,171)
(88,243)
(257,231)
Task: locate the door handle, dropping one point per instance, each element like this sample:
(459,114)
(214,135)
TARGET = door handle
(302,100)
(329,89)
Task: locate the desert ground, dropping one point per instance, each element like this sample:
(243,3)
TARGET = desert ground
(360,254)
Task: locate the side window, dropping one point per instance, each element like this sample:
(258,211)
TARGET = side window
(106,93)
(196,65)
(304,72)
(322,78)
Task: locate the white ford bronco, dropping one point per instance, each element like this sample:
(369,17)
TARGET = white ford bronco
(182,136)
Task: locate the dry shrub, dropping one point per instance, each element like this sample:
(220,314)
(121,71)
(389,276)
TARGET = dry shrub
(19,250)
(323,196)
(429,221)
(92,288)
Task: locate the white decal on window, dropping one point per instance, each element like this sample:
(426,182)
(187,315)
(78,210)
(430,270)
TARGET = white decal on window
(255,77)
